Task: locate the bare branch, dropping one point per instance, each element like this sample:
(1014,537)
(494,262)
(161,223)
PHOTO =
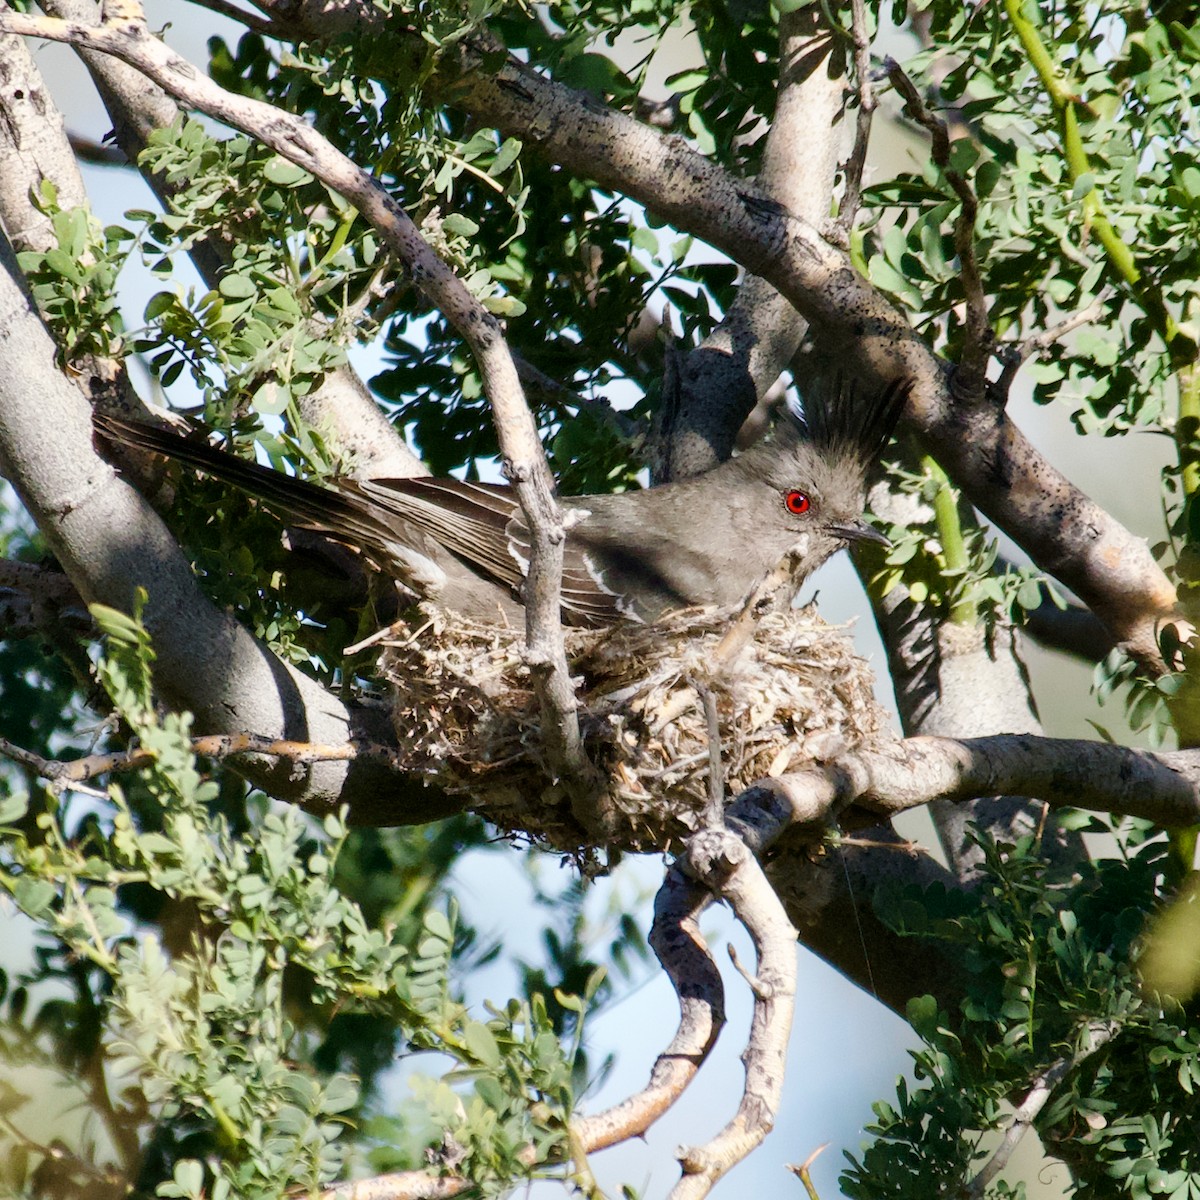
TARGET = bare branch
(1064,772)
(725,863)
(680,947)
(1047,337)
(401,1185)
(852,193)
(971,376)
(539,386)
(250,20)
(1096,1036)
(65,773)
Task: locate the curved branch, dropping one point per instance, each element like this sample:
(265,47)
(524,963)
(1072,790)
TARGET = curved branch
(1063,772)
(679,945)
(1096,1036)
(725,863)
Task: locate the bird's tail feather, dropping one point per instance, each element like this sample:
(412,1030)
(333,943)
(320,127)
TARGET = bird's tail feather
(342,515)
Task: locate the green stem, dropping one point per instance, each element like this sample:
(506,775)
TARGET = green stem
(948,520)
(1187,431)
(1067,105)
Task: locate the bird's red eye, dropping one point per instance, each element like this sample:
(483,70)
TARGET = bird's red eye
(797,503)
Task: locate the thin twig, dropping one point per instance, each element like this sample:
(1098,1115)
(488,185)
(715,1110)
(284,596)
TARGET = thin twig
(852,193)
(1014,354)
(252,21)
(539,385)
(1097,1036)
(715,810)
(971,376)
(802,1171)
(63,773)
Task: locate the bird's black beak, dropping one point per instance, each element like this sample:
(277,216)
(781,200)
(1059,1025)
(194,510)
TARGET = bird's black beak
(859,531)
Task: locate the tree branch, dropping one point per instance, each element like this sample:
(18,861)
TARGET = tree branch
(726,865)
(1065,532)
(971,377)
(852,192)
(1064,772)
(676,939)
(107,538)
(1096,1037)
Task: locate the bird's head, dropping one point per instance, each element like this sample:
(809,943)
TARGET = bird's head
(818,461)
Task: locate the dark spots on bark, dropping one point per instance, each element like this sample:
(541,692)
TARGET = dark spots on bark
(519,90)
(762,208)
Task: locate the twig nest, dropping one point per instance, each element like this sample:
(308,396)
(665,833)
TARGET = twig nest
(789,691)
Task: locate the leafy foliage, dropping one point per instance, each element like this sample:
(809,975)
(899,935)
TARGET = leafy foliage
(1053,995)
(202,1020)
(173,911)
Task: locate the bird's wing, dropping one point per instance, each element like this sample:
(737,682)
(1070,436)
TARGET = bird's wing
(483,524)
(480,523)
(469,519)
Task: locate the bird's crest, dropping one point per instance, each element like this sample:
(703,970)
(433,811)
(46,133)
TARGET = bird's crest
(841,419)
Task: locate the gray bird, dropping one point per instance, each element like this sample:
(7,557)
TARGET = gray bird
(633,556)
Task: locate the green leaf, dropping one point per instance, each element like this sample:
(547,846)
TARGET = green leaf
(283,173)
(481,1042)
(510,150)
(13,807)
(33,896)
(237,287)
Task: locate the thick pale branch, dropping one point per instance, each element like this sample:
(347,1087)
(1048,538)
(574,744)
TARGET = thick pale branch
(677,941)
(401,1185)
(725,864)
(1063,772)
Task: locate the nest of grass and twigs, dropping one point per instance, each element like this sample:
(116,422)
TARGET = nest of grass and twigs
(789,690)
